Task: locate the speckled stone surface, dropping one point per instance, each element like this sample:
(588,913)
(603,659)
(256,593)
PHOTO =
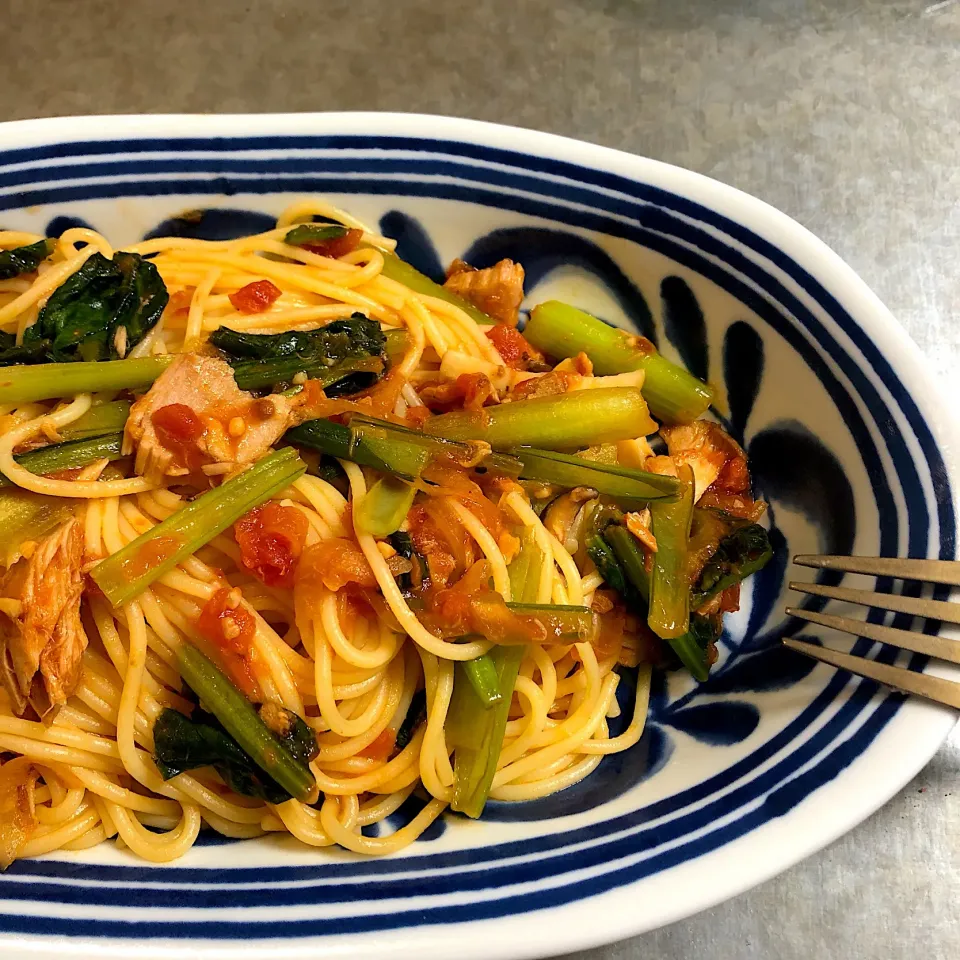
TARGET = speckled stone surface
(844,114)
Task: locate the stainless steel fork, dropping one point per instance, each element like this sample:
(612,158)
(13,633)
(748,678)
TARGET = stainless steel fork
(943,648)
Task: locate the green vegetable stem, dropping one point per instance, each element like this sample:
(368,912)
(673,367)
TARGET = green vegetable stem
(68,455)
(384,506)
(621,562)
(484,678)
(101,419)
(474,727)
(391,448)
(579,419)
(396,269)
(631,488)
(45,381)
(669,615)
(560,330)
(382,448)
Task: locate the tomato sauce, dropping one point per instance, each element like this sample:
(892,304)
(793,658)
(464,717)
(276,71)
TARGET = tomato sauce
(382,747)
(432,545)
(271,539)
(230,629)
(335,563)
(155,551)
(469,391)
(336,246)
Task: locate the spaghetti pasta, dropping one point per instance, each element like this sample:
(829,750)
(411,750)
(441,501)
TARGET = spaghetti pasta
(365,641)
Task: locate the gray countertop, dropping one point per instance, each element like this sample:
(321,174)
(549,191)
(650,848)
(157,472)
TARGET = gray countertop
(844,114)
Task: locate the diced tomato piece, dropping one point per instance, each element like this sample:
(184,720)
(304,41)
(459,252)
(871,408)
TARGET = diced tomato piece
(449,609)
(177,423)
(469,391)
(730,599)
(179,429)
(738,505)
(382,747)
(513,346)
(418,416)
(271,539)
(336,246)
(255,297)
(178,308)
(180,300)
(230,629)
(335,563)
(734,477)
(549,385)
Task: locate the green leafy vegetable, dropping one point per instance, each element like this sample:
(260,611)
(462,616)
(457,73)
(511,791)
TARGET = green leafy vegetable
(24,259)
(739,555)
(100,312)
(705,631)
(307,233)
(186,743)
(12,352)
(326,468)
(348,355)
(416,715)
(182,743)
(270,753)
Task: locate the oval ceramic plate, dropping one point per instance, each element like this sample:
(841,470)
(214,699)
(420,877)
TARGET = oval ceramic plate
(735,779)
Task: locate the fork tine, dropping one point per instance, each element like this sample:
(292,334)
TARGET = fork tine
(933,571)
(922,684)
(933,646)
(918,606)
